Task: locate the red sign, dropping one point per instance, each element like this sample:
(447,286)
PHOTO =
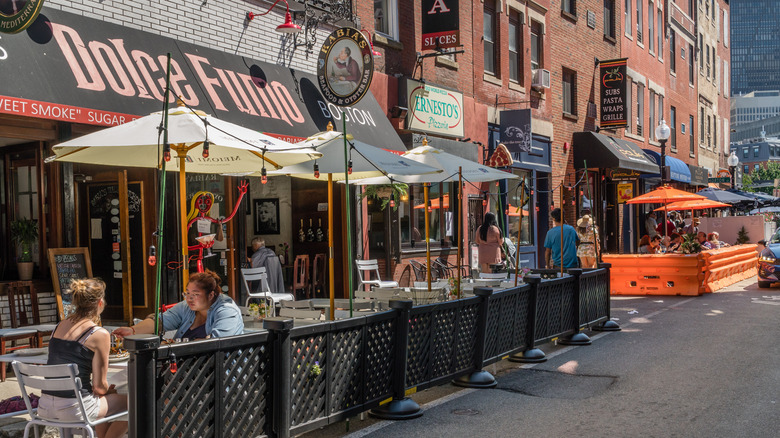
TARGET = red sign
(65,113)
(440,24)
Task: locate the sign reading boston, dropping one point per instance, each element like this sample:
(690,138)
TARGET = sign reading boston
(345,67)
(18,15)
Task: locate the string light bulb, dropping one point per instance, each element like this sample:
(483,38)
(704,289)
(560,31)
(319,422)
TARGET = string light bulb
(316,170)
(392,200)
(206,149)
(167,152)
(349,167)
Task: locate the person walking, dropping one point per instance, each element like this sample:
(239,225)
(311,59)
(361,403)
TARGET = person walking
(561,246)
(489,240)
(586,250)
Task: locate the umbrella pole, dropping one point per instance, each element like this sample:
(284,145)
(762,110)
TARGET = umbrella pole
(460,224)
(161,208)
(348,207)
(181,154)
(427,237)
(331,261)
(519,230)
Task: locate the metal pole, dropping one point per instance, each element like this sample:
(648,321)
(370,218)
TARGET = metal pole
(161,208)
(331,259)
(519,230)
(427,237)
(349,216)
(479,378)
(561,199)
(460,225)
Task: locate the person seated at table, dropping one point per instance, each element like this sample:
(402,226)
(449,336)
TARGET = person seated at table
(204,313)
(263,257)
(693,227)
(702,238)
(714,239)
(675,243)
(650,245)
(80,340)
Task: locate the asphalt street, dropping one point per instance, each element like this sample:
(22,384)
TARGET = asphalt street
(705,366)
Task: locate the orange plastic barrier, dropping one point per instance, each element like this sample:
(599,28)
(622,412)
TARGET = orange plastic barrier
(726,266)
(662,274)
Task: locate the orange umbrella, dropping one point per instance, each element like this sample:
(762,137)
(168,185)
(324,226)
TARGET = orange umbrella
(513,211)
(665,195)
(436,204)
(693,205)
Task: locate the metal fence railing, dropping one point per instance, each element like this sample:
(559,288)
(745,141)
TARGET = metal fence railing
(288,381)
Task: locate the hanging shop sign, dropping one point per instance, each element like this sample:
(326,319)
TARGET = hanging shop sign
(622,174)
(614,111)
(625,191)
(440,24)
(516,130)
(106,74)
(18,15)
(433,109)
(345,67)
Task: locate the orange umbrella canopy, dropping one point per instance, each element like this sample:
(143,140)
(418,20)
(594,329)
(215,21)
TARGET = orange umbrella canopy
(514,211)
(693,205)
(436,204)
(665,195)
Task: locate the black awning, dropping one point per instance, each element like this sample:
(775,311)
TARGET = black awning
(607,152)
(699,175)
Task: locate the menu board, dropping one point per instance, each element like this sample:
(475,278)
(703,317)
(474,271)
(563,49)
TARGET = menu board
(67,264)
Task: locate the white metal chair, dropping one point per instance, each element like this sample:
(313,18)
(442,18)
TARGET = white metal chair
(259,274)
(366,267)
(56,378)
(305,314)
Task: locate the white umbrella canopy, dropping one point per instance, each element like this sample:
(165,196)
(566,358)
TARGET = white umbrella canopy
(367,161)
(232,148)
(448,163)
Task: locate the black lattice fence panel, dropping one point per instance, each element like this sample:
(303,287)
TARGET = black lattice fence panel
(379,342)
(345,348)
(594,296)
(506,324)
(308,387)
(420,338)
(555,308)
(220,388)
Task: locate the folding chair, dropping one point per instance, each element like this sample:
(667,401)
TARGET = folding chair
(367,267)
(56,378)
(259,274)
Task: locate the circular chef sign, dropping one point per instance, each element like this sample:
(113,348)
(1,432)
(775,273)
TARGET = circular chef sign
(345,67)
(18,15)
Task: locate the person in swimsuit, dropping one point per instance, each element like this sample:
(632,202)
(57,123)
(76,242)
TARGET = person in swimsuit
(81,341)
(204,313)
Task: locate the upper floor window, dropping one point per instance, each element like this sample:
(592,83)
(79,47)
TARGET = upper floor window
(672,52)
(660,34)
(386,17)
(650,27)
(639,21)
(569,91)
(673,126)
(609,18)
(627,13)
(489,36)
(537,44)
(515,47)
(691,64)
(569,6)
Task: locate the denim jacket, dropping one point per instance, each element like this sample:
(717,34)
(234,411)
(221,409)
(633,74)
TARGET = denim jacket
(223,318)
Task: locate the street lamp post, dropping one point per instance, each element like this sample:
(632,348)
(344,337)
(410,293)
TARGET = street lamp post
(662,133)
(733,162)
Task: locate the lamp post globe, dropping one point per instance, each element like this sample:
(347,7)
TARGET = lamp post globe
(733,162)
(662,133)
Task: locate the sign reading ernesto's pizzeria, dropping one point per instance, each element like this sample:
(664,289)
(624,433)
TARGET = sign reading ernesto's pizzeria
(18,15)
(433,109)
(614,111)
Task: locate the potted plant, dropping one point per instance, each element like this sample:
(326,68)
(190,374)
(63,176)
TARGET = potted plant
(385,193)
(24,233)
(690,245)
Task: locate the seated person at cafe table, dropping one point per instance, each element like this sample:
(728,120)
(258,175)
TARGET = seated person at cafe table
(79,340)
(204,313)
(714,239)
(650,245)
(702,238)
(676,242)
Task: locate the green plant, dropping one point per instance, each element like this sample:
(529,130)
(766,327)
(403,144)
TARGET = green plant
(24,232)
(690,245)
(742,236)
(384,193)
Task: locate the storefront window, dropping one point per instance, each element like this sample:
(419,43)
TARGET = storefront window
(411,214)
(519,194)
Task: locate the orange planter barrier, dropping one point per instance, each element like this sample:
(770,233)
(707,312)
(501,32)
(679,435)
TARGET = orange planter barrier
(662,274)
(726,266)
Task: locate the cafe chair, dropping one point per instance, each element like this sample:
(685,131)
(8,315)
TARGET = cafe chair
(319,272)
(366,267)
(300,304)
(380,297)
(301,279)
(302,314)
(24,327)
(420,296)
(420,271)
(259,274)
(56,378)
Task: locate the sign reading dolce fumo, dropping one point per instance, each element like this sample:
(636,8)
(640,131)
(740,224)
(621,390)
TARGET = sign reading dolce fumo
(433,109)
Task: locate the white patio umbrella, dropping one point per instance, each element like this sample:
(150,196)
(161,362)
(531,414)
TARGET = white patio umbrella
(366,161)
(453,168)
(202,143)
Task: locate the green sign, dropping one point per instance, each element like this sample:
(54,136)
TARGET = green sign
(18,15)
(719,180)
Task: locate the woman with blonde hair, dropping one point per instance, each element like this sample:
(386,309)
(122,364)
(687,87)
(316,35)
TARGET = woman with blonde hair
(80,340)
(586,250)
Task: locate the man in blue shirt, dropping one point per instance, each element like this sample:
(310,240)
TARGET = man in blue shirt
(552,243)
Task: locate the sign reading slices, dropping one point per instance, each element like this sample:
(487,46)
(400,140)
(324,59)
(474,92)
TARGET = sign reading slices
(440,24)
(434,110)
(18,15)
(345,66)
(614,110)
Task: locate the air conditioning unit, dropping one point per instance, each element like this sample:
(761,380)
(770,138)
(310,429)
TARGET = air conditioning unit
(541,78)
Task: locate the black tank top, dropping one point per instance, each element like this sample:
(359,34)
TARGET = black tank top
(62,351)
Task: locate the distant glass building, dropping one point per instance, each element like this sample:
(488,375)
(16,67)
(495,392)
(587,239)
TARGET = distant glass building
(755,46)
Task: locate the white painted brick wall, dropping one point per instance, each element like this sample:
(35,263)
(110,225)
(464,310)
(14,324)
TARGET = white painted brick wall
(216,24)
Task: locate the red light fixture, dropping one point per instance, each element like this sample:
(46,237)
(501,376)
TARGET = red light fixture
(287,27)
(371,42)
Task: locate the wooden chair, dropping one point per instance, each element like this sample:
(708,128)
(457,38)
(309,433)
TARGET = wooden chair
(301,280)
(366,267)
(56,378)
(319,274)
(24,326)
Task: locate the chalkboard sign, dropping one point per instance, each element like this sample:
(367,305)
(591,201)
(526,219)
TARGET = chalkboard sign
(66,265)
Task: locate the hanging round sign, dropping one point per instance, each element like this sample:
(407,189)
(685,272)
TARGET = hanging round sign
(18,15)
(345,67)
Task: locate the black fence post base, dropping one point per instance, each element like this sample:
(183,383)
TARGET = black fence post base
(607,326)
(576,339)
(478,379)
(533,355)
(400,409)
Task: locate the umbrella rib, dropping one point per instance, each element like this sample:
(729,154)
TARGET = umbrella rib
(263,157)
